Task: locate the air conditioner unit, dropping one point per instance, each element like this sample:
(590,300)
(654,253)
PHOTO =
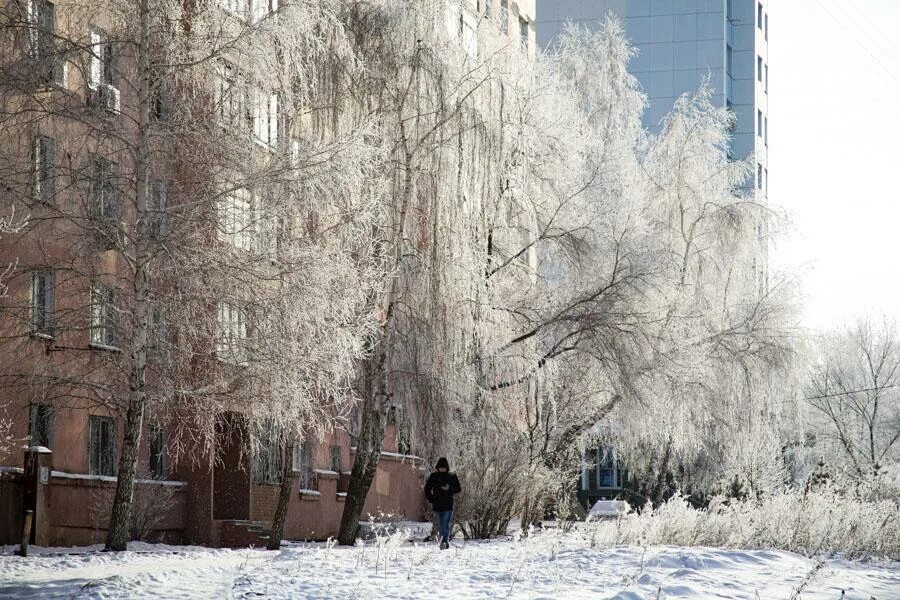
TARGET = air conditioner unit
(106,98)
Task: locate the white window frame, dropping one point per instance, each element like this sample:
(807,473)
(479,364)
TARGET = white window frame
(302,463)
(38,34)
(104,194)
(239,8)
(44,157)
(260,9)
(524,28)
(237,226)
(265,118)
(43,301)
(104,317)
(231,95)
(104,457)
(231,343)
(99,72)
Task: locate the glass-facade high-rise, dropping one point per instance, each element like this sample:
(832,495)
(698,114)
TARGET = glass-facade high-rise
(680,44)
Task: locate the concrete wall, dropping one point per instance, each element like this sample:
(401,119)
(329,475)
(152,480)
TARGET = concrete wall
(75,510)
(315,514)
(79,510)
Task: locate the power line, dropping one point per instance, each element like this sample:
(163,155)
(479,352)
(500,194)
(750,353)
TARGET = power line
(847,393)
(867,26)
(856,39)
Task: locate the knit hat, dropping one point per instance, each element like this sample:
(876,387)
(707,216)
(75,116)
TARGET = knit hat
(442,464)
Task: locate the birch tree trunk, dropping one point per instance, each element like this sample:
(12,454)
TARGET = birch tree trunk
(365,465)
(120,514)
(284,499)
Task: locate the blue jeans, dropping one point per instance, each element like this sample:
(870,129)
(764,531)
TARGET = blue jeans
(444,518)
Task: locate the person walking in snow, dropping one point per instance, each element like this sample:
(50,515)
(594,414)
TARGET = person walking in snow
(440,489)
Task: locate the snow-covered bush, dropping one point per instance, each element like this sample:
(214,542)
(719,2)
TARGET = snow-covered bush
(493,484)
(809,522)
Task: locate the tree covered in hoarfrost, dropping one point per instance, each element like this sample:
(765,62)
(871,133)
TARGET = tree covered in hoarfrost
(291,188)
(8,224)
(721,332)
(853,400)
(212,205)
(653,315)
(549,263)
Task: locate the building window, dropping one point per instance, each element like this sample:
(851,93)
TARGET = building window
(601,469)
(104,317)
(759,123)
(759,69)
(40,425)
(230,96)
(336,464)
(301,464)
(236,219)
(103,60)
(41,42)
(43,303)
(523,34)
(232,343)
(237,7)
(262,8)
(606,468)
(759,15)
(767,27)
(729,10)
(488,8)
(158,335)
(265,118)
(157,446)
(104,194)
(44,158)
(767,181)
(101,446)
(759,176)
(101,77)
(766,131)
(504,16)
(767,79)
(156,208)
(159,97)
(267,459)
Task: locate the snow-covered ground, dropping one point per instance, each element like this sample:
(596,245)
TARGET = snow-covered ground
(548,565)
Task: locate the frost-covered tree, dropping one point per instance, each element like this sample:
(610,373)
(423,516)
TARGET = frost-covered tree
(852,394)
(654,286)
(212,209)
(8,224)
(534,232)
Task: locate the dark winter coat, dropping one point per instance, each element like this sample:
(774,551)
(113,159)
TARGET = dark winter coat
(442,500)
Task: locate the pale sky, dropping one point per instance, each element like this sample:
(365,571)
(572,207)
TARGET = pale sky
(834,152)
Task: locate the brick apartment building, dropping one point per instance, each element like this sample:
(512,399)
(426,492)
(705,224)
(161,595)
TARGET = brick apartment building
(61,326)
(69,97)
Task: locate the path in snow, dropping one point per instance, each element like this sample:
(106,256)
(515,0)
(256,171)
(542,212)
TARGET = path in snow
(545,566)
